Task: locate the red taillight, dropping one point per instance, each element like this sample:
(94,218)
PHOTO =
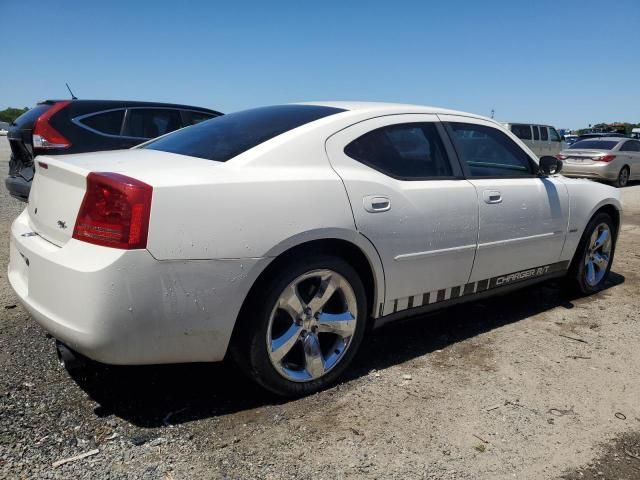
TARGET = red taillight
(561,157)
(44,135)
(605,158)
(114,212)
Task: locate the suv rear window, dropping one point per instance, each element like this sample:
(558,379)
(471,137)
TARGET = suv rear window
(227,136)
(30,116)
(521,131)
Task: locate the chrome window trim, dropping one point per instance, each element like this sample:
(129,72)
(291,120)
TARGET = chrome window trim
(78,120)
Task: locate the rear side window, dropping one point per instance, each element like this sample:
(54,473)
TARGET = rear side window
(488,152)
(189,117)
(227,136)
(105,122)
(631,146)
(536,132)
(521,131)
(410,151)
(553,135)
(151,122)
(543,134)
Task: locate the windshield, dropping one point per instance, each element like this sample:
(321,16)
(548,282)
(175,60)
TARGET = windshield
(594,145)
(225,137)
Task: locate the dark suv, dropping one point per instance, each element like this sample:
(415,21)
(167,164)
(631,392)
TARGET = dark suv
(56,127)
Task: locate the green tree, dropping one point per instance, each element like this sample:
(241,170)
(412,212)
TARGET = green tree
(10,114)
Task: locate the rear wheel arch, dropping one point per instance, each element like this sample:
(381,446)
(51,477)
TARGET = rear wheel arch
(340,248)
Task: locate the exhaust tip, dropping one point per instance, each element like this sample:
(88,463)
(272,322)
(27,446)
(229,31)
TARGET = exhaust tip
(67,358)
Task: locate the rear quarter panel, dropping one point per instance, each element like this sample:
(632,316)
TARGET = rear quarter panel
(229,211)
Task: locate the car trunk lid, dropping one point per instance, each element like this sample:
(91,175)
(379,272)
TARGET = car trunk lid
(60,183)
(583,156)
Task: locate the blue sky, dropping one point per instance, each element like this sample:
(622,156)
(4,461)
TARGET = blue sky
(568,63)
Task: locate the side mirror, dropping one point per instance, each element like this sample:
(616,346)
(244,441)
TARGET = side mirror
(550,165)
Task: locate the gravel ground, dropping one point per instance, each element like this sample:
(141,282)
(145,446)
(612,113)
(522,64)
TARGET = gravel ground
(492,390)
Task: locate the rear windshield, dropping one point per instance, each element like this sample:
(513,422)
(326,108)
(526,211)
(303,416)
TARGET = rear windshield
(222,138)
(30,116)
(594,145)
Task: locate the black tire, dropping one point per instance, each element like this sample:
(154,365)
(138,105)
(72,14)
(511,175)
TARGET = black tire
(249,344)
(577,271)
(623,177)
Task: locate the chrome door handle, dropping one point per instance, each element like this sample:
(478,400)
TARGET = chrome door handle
(376,203)
(492,196)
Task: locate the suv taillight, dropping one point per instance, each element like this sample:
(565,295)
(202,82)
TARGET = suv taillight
(114,212)
(44,135)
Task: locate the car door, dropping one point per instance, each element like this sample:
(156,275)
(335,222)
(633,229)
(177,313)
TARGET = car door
(631,150)
(410,200)
(522,216)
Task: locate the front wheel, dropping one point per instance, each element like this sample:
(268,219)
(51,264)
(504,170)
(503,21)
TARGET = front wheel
(593,258)
(304,325)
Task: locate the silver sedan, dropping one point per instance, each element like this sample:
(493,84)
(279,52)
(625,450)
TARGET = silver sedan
(615,160)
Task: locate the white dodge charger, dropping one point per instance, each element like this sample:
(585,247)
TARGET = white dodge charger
(278,234)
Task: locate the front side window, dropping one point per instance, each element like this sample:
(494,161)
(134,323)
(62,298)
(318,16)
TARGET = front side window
(227,136)
(521,131)
(536,132)
(553,135)
(105,122)
(543,134)
(151,122)
(488,152)
(410,151)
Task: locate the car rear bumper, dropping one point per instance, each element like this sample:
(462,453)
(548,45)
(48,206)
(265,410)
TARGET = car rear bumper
(596,170)
(125,307)
(18,187)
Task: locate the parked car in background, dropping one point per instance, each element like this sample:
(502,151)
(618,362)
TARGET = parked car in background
(613,159)
(4,128)
(58,127)
(635,133)
(541,139)
(601,135)
(277,234)
(570,139)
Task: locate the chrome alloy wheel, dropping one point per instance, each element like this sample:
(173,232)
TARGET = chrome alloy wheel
(598,255)
(311,325)
(623,178)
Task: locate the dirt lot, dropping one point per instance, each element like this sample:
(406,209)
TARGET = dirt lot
(533,385)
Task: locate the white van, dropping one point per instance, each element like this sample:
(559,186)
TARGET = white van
(542,139)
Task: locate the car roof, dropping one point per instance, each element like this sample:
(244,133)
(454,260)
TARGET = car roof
(529,123)
(129,103)
(391,108)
